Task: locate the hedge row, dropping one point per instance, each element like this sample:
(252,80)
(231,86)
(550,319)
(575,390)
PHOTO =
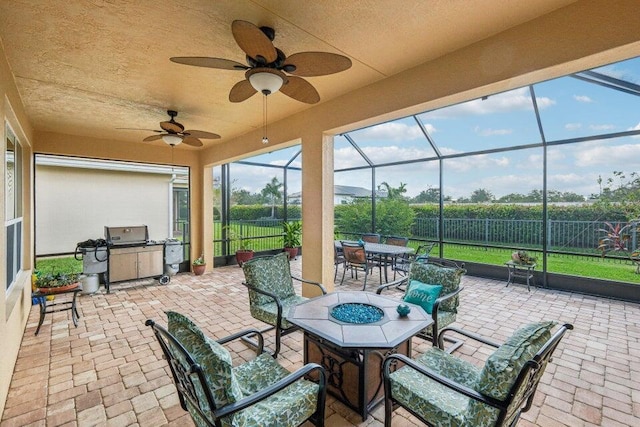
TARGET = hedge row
(254,212)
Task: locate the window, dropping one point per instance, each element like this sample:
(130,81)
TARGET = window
(13,206)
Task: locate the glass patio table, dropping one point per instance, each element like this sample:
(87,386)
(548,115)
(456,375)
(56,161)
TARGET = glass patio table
(352,353)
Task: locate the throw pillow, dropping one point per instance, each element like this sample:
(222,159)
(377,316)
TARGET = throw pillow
(422,294)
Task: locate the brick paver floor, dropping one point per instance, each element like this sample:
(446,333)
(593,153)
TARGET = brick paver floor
(109,370)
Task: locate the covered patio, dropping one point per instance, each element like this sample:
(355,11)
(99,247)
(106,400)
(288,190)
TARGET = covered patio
(109,370)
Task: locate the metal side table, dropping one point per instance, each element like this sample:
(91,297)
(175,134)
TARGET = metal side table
(524,271)
(55,306)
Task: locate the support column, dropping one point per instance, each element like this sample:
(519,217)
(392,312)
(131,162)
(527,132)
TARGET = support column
(317,212)
(207,216)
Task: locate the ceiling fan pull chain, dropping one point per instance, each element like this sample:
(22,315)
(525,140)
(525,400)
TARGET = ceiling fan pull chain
(265,138)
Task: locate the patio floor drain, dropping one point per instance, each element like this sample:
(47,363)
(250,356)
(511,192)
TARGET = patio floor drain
(357,313)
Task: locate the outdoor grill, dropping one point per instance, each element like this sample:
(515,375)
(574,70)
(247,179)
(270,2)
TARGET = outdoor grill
(132,255)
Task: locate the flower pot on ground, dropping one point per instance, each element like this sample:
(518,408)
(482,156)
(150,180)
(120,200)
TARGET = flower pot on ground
(292,231)
(52,283)
(242,244)
(199,266)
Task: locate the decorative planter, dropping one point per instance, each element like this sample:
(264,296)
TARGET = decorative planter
(199,270)
(293,252)
(58,289)
(243,256)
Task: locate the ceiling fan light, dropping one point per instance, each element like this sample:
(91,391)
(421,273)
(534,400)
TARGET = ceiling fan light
(266,83)
(172,140)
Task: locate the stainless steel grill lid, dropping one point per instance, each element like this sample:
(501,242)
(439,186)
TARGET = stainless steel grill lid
(134,235)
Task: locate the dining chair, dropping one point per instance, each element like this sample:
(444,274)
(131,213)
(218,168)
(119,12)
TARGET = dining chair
(420,255)
(370,237)
(395,241)
(356,258)
(338,259)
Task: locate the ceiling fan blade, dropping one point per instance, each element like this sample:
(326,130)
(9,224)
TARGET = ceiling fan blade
(203,61)
(172,127)
(153,138)
(309,64)
(241,91)
(192,141)
(201,134)
(300,90)
(253,41)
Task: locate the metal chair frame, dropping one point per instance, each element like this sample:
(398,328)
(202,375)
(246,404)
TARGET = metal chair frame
(516,401)
(188,376)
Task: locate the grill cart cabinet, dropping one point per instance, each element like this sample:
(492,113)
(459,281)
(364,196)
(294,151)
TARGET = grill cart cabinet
(135,263)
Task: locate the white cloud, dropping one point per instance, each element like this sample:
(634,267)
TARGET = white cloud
(582,98)
(601,127)
(393,131)
(491,132)
(479,162)
(619,157)
(395,153)
(515,100)
(573,126)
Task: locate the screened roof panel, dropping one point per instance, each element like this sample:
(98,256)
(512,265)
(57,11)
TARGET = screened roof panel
(393,141)
(344,155)
(585,108)
(502,120)
(278,157)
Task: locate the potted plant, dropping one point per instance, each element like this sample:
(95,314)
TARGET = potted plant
(291,237)
(51,283)
(199,265)
(242,244)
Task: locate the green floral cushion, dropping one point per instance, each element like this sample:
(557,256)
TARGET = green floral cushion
(271,274)
(268,313)
(422,294)
(448,277)
(430,399)
(503,366)
(289,407)
(445,318)
(214,359)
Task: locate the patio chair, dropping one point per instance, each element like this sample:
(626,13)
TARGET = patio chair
(271,293)
(356,258)
(435,287)
(441,389)
(420,255)
(338,259)
(370,237)
(257,392)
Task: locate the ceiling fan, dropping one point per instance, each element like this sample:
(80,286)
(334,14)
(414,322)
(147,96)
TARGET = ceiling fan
(173,133)
(267,65)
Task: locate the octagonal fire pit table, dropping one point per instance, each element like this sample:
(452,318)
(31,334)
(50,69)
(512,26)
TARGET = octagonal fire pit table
(350,334)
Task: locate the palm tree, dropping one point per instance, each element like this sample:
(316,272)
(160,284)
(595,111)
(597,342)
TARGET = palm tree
(272,192)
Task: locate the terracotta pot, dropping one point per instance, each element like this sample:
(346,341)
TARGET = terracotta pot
(243,256)
(199,270)
(59,289)
(293,252)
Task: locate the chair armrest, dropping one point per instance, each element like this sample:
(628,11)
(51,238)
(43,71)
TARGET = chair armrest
(467,334)
(396,283)
(269,294)
(260,347)
(444,298)
(322,288)
(274,388)
(422,369)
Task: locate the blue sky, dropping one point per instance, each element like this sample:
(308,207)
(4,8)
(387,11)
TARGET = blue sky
(569,108)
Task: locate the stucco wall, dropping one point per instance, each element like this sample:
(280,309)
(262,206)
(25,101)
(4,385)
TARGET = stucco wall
(74,204)
(16,304)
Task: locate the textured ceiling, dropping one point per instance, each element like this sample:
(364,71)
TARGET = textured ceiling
(88,67)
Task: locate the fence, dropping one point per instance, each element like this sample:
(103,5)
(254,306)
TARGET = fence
(562,235)
(262,234)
